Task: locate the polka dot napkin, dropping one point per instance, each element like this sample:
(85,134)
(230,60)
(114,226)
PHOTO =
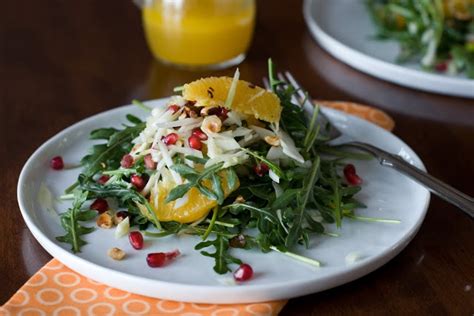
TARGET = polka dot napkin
(59,291)
(56,290)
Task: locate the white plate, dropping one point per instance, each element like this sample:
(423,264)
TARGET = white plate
(345,29)
(191,278)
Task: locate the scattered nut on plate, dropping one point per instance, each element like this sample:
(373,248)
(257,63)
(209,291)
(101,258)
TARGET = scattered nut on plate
(116,253)
(105,220)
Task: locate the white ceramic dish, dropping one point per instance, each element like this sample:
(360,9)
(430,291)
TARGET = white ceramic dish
(344,28)
(191,278)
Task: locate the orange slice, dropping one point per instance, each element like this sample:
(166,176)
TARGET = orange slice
(195,206)
(249,99)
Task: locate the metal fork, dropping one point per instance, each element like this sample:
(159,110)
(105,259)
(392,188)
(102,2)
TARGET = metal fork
(386,159)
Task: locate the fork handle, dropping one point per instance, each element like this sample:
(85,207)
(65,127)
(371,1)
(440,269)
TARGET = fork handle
(438,187)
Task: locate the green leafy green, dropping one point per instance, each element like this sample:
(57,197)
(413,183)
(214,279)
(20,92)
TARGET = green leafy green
(107,156)
(302,200)
(221,256)
(70,222)
(196,179)
(118,190)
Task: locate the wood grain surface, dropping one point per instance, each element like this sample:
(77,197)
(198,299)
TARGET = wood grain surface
(62,61)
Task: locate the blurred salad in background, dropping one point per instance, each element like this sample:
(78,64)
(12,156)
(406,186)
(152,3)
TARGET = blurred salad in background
(439,34)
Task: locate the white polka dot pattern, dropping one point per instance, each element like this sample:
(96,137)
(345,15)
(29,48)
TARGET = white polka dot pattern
(58,291)
(46,296)
(142,310)
(98,309)
(67,311)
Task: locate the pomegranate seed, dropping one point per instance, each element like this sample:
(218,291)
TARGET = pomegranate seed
(100,205)
(221,112)
(194,142)
(149,163)
(349,169)
(170,139)
(174,108)
(237,241)
(137,181)
(103,179)
(351,175)
(122,215)
(223,115)
(442,66)
(199,133)
(261,169)
(136,239)
(57,163)
(243,273)
(159,259)
(127,161)
(353,179)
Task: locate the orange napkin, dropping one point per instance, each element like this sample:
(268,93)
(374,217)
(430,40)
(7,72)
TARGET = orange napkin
(57,290)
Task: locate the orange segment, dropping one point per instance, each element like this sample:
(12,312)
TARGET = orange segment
(249,99)
(196,205)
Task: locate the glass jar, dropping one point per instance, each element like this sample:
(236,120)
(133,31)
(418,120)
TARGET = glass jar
(199,33)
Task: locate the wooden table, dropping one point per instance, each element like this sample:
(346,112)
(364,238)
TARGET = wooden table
(62,61)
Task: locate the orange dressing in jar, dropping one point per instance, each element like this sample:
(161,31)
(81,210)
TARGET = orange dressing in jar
(199,32)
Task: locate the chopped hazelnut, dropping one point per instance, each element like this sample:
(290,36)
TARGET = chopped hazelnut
(116,253)
(272,140)
(239,199)
(211,124)
(190,112)
(105,220)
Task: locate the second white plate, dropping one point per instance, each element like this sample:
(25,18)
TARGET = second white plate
(191,278)
(345,29)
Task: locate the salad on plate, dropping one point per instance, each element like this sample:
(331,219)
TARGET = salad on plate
(439,34)
(236,164)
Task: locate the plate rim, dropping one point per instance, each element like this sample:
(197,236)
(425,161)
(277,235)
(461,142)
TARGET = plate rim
(381,69)
(258,292)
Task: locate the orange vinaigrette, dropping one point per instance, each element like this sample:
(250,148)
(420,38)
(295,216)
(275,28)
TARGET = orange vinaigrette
(199,32)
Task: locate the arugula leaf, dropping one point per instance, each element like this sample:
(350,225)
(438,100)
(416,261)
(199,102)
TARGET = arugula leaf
(285,199)
(336,197)
(302,198)
(178,192)
(231,178)
(269,163)
(184,170)
(314,226)
(262,192)
(217,188)
(221,256)
(70,222)
(119,143)
(196,179)
(207,192)
(103,133)
(119,190)
(195,159)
